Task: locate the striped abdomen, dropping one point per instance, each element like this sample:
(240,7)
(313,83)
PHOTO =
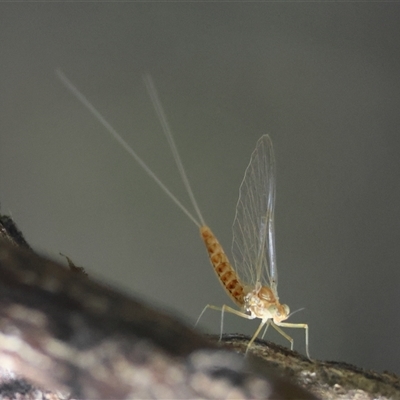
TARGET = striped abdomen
(222,267)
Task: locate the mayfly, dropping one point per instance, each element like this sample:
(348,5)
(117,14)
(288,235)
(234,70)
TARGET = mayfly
(253,285)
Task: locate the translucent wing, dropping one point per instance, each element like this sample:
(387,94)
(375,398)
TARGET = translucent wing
(253,246)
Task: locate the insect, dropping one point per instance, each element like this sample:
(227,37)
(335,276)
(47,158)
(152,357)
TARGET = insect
(253,285)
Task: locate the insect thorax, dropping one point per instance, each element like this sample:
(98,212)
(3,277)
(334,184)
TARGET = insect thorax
(261,302)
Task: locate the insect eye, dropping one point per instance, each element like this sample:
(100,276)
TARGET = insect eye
(287,309)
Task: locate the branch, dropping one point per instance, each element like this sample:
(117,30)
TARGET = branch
(77,337)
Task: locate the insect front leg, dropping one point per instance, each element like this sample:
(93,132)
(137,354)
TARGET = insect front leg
(284,334)
(289,325)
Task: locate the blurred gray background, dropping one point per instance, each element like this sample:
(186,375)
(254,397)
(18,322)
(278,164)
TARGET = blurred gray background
(321,78)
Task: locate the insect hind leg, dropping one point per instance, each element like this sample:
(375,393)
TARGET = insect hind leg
(224,309)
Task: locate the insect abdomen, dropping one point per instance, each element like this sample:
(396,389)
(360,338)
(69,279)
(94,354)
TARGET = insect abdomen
(222,267)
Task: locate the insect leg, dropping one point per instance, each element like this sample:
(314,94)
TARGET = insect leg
(223,309)
(266,327)
(263,322)
(285,335)
(289,325)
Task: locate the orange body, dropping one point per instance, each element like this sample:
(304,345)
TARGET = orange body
(222,267)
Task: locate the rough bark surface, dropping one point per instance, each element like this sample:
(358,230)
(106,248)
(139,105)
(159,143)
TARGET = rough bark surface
(77,338)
